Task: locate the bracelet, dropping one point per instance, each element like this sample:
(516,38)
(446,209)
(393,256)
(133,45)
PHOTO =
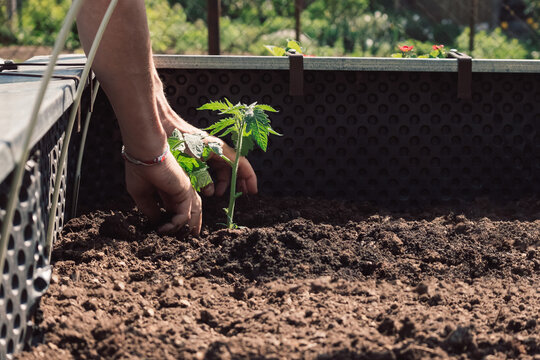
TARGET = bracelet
(156,160)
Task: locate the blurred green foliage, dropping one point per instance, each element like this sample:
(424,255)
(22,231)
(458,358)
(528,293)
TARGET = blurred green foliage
(40,21)
(493,45)
(329,28)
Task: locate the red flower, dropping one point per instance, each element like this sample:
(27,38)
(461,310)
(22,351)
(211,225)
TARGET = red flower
(309,55)
(405,48)
(438,47)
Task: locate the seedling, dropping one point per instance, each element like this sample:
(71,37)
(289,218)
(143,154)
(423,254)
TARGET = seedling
(279,51)
(191,152)
(248,125)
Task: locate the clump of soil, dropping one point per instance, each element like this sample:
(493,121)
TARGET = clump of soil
(306,279)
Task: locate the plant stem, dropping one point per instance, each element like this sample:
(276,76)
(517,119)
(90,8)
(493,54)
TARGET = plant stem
(232,195)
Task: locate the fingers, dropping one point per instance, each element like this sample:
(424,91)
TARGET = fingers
(187,213)
(245,172)
(223,178)
(195,221)
(186,209)
(208,190)
(143,195)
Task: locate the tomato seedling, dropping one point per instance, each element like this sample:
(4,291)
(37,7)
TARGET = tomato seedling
(248,125)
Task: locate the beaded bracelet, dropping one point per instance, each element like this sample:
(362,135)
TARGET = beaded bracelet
(156,160)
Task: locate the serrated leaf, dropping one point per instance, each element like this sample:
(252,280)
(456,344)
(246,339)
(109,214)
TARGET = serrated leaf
(220,125)
(187,163)
(258,125)
(229,130)
(273,132)
(292,44)
(235,110)
(200,178)
(195,144)
(214,105)
(275,50)
(216,148)
(265,108)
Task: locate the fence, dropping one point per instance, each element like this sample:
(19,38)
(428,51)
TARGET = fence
(500,28)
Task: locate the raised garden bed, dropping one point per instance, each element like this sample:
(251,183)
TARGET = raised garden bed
(308,279)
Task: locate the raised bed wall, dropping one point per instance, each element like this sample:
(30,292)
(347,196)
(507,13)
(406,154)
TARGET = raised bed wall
(378,130)
(26,271)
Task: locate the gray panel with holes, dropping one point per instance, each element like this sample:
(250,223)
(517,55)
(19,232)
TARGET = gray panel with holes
(26,270)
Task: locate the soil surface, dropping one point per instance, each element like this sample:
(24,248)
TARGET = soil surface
(306,279)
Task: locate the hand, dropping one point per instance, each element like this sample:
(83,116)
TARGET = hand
(175,191)
(246,178)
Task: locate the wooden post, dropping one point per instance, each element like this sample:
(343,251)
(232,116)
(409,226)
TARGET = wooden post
(11,8)
(472,24)
(298,6)
(214,13)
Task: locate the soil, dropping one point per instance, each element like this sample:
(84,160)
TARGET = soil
(306,279)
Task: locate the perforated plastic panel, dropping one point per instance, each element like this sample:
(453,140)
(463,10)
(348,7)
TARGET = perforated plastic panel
(26,271)
(391,138)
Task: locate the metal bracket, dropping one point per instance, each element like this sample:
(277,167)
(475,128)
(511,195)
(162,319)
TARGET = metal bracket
(8,65)
(464,74)
(296,74)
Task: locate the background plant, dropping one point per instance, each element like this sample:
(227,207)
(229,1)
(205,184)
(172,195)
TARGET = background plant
(248,125)
(329,28)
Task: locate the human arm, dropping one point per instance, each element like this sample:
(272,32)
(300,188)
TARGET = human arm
(125,68)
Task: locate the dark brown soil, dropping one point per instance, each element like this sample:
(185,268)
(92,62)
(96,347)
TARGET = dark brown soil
(307,279)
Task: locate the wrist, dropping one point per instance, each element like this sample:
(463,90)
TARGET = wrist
(156,160)
(145,146)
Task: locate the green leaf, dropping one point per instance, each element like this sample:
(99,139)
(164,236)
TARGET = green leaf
(265,108)
(292,44)
(214,105)
(176,141)
(216,148)
(231,129)
(258,125)
(195,144)
(220,125)
(187,163)
(200,178)
(273,132)
(423,56)
(235,110)
(275,50)
(397,55)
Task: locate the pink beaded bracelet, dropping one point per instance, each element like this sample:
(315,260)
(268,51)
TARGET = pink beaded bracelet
(156,160)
